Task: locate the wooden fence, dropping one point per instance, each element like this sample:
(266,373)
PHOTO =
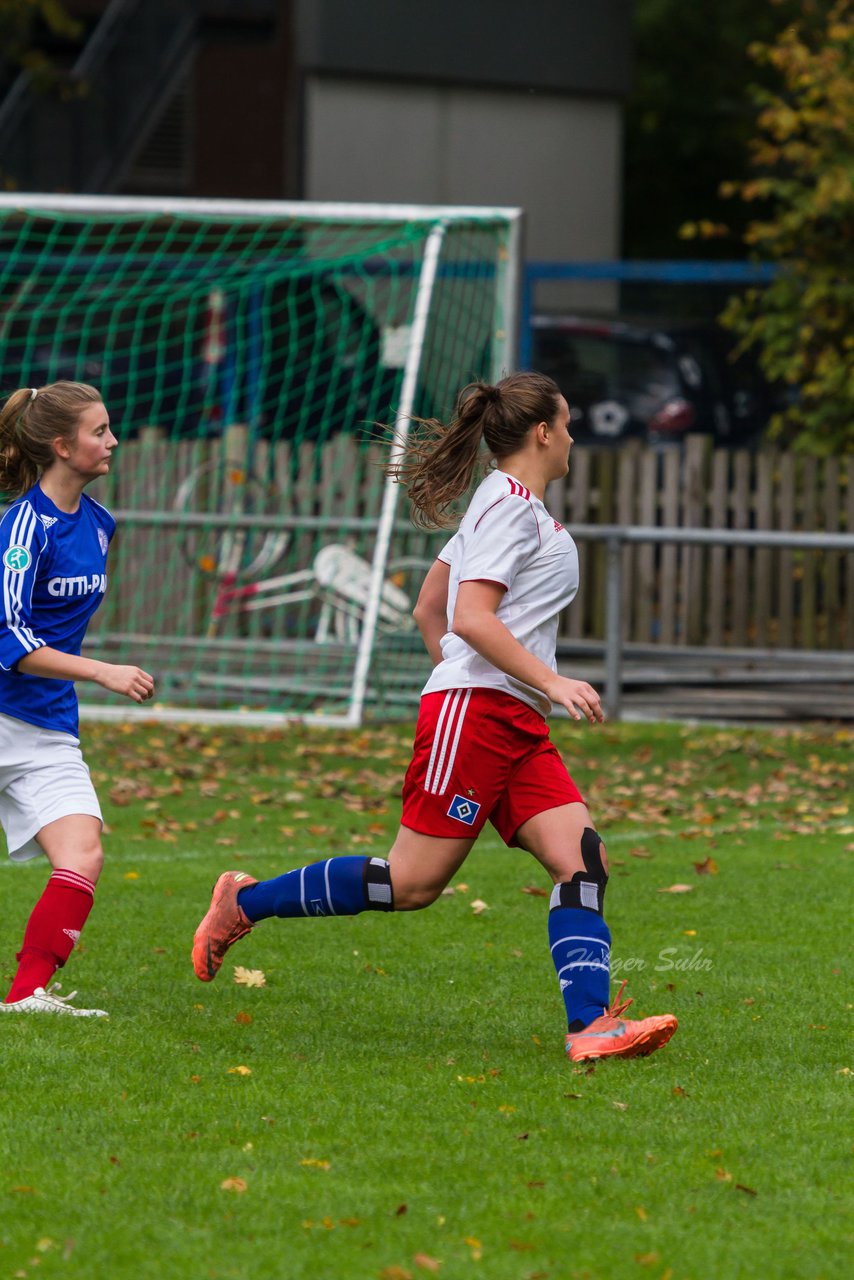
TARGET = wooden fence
(715,596)
(707,596)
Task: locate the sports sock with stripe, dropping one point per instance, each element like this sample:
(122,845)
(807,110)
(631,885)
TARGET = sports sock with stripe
(52,931)
(581,950)
(336,887)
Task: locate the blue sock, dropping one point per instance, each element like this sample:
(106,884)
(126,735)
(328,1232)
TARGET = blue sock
(581,950)
(336,887)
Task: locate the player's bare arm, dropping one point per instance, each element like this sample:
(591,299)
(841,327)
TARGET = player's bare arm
(131,682)
(431,608)
(475,621)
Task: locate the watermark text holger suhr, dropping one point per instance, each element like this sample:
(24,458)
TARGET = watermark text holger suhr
(668,960)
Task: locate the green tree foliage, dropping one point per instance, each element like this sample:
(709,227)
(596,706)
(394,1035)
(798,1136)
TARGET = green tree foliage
(802,325)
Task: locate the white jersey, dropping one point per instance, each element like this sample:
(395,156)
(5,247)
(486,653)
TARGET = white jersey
(507,536)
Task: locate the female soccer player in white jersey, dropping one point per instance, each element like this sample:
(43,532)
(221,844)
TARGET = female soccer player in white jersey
(54,440)
(488,613)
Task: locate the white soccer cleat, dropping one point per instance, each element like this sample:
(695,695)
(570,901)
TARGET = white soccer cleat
(42,1001)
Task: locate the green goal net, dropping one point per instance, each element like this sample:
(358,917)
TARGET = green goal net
(250,355)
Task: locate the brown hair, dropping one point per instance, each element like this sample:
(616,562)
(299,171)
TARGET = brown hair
(439,460)
(30,420)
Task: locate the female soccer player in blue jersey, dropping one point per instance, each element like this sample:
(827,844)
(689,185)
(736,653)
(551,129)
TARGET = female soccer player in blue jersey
(54,441)
(488,613)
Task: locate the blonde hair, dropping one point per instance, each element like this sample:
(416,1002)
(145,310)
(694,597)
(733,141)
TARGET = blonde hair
(30,420)
(440,460)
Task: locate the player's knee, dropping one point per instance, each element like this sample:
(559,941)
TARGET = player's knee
(414,897)
(586,889)
(89,860)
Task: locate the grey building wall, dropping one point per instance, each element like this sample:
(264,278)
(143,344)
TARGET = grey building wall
(556,157)
(472,102)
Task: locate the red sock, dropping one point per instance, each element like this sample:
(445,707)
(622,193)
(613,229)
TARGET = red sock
(52,930)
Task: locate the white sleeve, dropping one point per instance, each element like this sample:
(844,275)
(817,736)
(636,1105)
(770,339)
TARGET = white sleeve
(446,555)
(503,540)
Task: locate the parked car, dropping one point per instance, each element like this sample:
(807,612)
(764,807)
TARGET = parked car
(654,381)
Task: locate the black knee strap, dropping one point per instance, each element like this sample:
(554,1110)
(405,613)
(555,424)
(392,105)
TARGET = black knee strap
(378,890)
(586,889)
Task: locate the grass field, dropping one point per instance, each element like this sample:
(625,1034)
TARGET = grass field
(394,1101)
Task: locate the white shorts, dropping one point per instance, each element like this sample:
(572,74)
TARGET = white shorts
(43,776)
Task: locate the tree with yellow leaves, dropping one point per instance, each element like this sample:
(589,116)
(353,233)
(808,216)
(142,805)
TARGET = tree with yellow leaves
(802,324)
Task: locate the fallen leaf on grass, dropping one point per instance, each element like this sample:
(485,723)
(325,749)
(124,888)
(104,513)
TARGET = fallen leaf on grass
(707,868)
(678,888)
(739,1186)
(240,1071)
(679,1091)
(479,906)
(395,1273)
(646,1259)
(243,1019)
(426,1263)
(401,1210)
(535,891)
(722,1175)
(249,977)
(316,1164)
(234,1184)
(621,1106)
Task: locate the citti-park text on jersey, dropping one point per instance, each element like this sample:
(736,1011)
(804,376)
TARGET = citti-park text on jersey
(79,586)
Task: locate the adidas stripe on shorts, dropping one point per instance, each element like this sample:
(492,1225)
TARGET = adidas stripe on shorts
(481,754)
(43,776)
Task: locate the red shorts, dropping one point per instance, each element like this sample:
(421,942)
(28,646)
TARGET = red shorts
(481,754)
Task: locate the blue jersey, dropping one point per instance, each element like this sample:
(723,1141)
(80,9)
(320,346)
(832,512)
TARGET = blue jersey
(54,577)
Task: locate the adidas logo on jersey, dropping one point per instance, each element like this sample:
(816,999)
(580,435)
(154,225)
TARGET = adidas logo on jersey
(73,934)
(48,521)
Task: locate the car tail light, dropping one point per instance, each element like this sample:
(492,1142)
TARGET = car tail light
(674,418)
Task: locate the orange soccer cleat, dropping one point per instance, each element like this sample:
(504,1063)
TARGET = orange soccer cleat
(223,925)
(613,1036)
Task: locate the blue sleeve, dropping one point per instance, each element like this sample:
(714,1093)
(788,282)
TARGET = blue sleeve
(22,541)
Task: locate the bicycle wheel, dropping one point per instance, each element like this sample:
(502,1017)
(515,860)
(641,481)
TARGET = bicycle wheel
(227,488)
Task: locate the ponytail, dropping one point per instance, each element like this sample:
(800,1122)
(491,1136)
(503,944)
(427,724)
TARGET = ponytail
(440,461)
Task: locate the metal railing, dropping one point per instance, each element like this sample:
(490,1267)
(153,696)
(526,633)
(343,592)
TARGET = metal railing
(615,538)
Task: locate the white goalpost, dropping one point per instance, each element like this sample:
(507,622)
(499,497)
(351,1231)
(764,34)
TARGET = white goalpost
(261,362)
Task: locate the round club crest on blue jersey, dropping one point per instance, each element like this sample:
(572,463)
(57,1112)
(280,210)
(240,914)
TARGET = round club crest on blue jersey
(103,541)
(17,558)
